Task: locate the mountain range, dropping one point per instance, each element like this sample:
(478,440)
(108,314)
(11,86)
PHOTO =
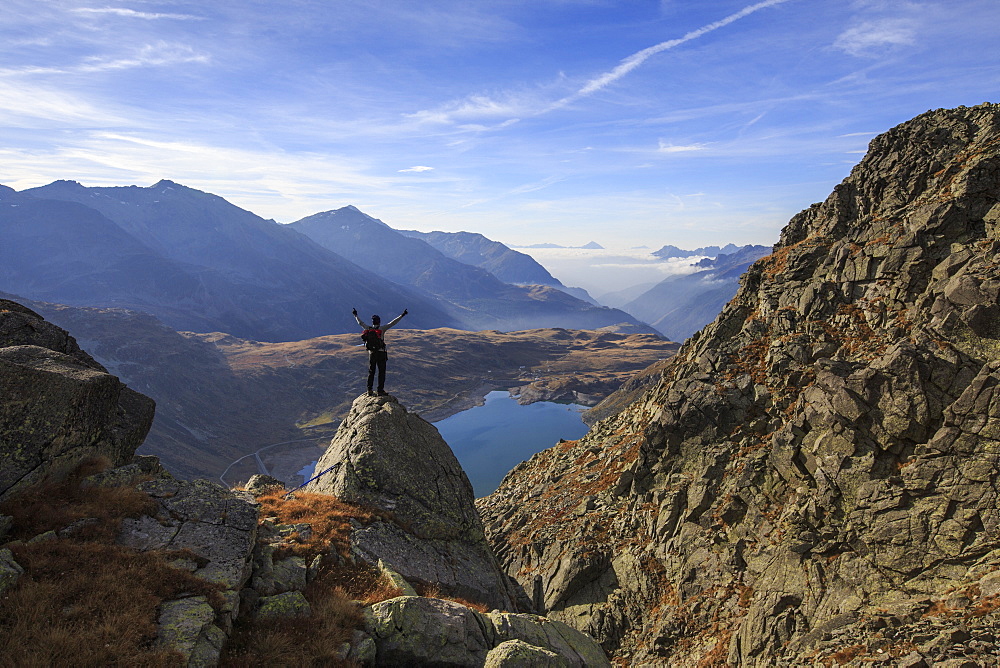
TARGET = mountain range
(679,306)
(507,264)
(199,263)
(668,251)
(468,293)
(190,258)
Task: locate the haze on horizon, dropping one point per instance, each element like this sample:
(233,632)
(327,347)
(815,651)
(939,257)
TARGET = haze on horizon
(566,121)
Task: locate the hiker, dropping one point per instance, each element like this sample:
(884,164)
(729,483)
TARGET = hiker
(374,342)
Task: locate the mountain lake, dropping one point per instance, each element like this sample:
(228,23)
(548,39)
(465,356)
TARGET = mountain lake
(491,439)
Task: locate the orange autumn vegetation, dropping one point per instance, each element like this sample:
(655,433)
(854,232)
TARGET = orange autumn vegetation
(336,595)
(84,600)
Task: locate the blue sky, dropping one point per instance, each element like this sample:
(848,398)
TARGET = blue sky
(690,122)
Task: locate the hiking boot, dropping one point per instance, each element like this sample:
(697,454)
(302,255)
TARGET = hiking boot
(383,393)
(371,393)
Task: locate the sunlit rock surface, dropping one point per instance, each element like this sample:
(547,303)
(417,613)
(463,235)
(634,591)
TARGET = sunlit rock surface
(814,477)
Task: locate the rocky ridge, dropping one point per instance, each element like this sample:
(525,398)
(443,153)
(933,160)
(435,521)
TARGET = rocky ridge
(814,478)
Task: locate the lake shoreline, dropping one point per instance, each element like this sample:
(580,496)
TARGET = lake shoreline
(285,462)
(491,439)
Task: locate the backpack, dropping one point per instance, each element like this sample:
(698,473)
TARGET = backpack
(373,339)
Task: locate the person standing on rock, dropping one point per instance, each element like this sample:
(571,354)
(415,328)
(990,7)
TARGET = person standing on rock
(375,343)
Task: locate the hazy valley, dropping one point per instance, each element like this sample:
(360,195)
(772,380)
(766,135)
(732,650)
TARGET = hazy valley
(220,397)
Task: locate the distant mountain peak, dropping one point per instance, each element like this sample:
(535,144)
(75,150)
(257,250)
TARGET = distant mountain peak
(345,215)
(593,245)
(66,185)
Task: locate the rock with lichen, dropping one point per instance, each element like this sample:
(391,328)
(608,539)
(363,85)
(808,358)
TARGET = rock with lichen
(387,458)
(414,630)
(187,626)
(59,405)
(813,478)
(286,604)
(512,653)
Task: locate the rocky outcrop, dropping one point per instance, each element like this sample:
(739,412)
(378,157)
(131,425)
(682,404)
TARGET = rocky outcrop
(814,477)
(418,631)
(386,458)
(217,530)
(59,405)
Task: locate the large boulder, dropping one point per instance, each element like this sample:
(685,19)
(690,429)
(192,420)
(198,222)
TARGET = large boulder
(59,405)
(217,525)
(389,459)
(413,630)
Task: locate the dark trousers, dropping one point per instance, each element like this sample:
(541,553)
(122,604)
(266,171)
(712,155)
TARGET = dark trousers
(376,359)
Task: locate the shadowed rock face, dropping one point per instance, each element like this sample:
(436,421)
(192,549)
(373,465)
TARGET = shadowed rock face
(818,467)
(417,631)
(387,458)
(59,405)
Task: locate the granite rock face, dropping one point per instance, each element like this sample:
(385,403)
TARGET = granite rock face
(385,457)
(59,405)
(389,459)
(418,631)
(218,528)
(815,476)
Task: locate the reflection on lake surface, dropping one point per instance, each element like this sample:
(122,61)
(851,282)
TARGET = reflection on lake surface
(491,439)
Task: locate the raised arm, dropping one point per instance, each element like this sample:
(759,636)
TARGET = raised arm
(398,318)
(361,322)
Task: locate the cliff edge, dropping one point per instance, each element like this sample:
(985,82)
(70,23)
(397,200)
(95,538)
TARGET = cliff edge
(814,477)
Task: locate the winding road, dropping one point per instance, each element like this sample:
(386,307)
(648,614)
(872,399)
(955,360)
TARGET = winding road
(261,468)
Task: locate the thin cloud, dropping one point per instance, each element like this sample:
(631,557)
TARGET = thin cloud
(534,186)
(417,168)
(26,105)
(873,38)
(132,14)
(160,54)
(674,148)
(514,109)
(636,59)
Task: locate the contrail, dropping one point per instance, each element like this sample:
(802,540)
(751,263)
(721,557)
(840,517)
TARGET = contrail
(638,58)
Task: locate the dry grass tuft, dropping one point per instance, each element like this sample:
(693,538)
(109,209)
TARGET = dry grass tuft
(312,641)
(83,599)
(434,591)
(362,582)
(845,655)
(55,503)
(329,517)
(336,596)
